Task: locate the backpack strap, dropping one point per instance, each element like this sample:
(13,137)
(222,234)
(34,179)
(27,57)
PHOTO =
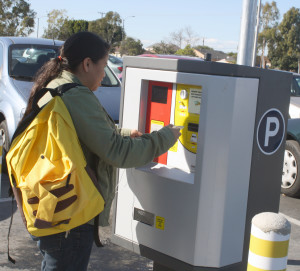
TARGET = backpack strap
(40,99)
(96,232)
(65,87)
(43,96)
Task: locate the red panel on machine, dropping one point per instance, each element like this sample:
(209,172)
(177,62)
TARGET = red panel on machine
(158,110)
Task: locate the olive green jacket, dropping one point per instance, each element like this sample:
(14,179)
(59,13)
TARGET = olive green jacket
(106,147)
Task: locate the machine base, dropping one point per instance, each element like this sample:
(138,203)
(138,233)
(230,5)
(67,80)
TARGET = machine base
(163,262)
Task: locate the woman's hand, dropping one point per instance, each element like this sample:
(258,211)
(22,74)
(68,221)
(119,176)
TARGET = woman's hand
(175,130)
(135,133)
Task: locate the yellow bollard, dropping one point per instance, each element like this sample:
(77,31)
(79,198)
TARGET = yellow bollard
(269,242)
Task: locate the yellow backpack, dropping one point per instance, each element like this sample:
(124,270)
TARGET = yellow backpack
(54,188)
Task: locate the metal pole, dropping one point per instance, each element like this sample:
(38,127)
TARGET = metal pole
(123,32)
(38,25)
(246,42)
(123,21)
(256,34)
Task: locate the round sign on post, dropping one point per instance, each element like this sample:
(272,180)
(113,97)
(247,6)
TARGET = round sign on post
(270,131)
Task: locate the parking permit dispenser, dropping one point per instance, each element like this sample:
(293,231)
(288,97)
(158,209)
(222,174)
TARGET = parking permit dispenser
(191,208)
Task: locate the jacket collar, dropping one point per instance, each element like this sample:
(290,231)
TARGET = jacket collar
(70,77)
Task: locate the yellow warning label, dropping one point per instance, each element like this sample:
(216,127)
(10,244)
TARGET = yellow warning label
(156,125)
(160,223)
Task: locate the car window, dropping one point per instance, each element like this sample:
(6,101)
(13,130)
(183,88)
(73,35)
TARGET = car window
(26,59)
(295,89)
(110,79)
(115,60)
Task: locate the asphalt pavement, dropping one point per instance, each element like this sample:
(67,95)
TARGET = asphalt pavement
(28,258)
(112,257)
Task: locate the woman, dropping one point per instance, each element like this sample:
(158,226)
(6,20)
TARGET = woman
(82,60)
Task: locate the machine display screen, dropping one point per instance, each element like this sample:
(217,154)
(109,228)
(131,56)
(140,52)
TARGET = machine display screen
(193,127)
(159,94)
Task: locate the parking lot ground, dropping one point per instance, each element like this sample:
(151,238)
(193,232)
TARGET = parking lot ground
(28,258)
(110,258)
(290,208)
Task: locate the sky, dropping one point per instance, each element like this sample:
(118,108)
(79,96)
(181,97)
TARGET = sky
(215,23)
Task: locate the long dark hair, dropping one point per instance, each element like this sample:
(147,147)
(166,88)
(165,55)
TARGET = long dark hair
(75,49)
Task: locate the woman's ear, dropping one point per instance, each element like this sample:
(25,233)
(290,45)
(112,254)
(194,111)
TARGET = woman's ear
(86,64)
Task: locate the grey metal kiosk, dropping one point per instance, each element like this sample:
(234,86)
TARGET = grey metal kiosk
(191,208)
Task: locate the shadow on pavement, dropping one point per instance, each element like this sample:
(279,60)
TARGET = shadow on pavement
(293,262)
(8,208)
(5,185)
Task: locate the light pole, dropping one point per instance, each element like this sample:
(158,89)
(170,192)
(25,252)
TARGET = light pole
(102,14)
(247,32)
(38,25)
(123,20)
(256,33)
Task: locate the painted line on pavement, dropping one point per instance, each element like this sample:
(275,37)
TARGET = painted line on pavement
(292,220)
(5,200)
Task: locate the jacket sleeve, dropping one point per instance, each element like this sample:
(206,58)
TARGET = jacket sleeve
(124,131)
(96,131)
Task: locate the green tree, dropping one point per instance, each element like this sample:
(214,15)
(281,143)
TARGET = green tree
(131,47)
(187,51)
(109,28)
(165,48)
(233,56)
(71,27)
(17,19)
(268,20)
(284,47)
(56,22)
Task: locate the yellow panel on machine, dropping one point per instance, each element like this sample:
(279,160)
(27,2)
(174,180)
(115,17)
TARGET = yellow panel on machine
(49,174)
(187,111)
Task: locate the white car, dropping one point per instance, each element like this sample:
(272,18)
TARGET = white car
(290,182)
(116,64)
(20,59)
(294,110)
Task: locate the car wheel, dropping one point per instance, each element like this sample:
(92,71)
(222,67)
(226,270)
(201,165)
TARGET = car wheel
(290,183)
(5,138)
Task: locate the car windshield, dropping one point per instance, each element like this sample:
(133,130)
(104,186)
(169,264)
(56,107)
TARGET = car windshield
(26,59)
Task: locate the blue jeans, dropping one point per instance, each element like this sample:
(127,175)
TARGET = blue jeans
(67,253)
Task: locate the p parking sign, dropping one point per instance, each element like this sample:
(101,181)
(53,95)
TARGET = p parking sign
(270,131)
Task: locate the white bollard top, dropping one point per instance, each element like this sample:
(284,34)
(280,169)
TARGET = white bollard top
(272,222)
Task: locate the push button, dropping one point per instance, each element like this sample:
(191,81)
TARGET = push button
(194,138)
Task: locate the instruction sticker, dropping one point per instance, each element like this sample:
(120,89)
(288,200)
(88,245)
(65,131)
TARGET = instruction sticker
(160,223)
(195,100)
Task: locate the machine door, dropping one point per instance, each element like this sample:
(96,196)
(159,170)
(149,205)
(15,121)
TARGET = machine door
(158,110)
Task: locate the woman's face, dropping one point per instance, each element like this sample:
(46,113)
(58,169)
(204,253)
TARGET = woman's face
(97,73)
